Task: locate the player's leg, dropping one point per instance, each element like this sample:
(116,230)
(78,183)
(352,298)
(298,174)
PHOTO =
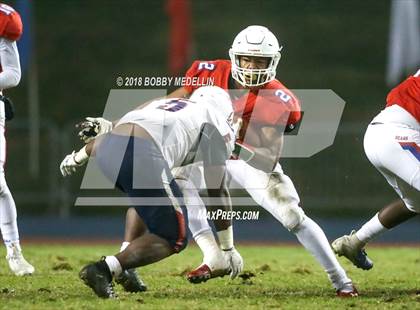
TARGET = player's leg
(276,193)
(109,154)
(401,169)
(166,236)
(145,250)
(140,175)
(134,227)
(8,215)
(213,264)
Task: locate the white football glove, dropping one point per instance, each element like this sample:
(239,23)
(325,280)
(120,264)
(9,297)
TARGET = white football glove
(72,161)
(235,261)
(93,127)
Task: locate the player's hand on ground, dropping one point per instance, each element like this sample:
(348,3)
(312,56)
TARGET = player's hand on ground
(92,127)
(235,261)
(69,164)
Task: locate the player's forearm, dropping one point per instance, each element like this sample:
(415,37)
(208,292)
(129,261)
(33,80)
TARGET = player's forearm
(221,199)
(268,155)
(93,145)
(263,159)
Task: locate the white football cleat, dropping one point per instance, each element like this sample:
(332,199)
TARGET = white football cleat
(17,263)
(351,247)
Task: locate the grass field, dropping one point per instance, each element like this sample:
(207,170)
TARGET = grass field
(278,277)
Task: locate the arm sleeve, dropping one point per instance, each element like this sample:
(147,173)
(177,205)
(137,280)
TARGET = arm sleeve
(212,147)
(10,64)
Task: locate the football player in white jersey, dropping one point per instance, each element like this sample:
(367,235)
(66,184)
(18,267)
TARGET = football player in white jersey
(10,31)
(138,155)
(392,145)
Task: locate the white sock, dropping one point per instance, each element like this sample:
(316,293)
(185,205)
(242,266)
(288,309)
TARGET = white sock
(312,237)
(124,245)
(11,245)
(113,265)
(208,245)
(372,229)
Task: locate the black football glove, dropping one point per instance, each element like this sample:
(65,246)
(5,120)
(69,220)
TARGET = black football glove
(9,109)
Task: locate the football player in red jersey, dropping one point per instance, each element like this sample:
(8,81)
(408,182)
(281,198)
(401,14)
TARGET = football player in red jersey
(10,31)
(265,104)
(392,144)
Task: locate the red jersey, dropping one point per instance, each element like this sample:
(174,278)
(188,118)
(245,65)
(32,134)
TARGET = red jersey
(272,104)
(10,23)
(407,96)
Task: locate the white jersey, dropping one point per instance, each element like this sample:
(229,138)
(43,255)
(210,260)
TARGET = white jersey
(175,125)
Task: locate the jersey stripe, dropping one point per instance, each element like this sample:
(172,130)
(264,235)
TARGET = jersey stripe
(412,147)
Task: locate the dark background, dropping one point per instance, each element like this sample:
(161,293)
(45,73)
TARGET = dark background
(83,46)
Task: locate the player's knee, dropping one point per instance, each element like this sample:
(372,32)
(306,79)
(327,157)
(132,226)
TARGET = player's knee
(3,186)
(292,216)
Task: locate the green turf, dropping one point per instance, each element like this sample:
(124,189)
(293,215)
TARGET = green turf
(285,277)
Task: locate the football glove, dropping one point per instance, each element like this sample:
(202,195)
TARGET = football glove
(93,127)
(72,161)
(9,109)
(235,261)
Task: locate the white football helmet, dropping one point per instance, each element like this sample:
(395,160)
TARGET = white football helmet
(256,41)
(216,97)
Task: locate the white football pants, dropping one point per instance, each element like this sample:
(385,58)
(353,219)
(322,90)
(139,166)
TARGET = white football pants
(394,149)
(8,225)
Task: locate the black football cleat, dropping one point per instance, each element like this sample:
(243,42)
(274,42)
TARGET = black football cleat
(98,277)
(130,281)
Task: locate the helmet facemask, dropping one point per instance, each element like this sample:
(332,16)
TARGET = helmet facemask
(253,77)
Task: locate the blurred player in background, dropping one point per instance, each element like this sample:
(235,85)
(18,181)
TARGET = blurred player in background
(167,133)
(10,32)
(392,145)
(267,109)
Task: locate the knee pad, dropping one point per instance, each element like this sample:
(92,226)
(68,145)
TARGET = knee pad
(284,201)
(3,185)
(291,216)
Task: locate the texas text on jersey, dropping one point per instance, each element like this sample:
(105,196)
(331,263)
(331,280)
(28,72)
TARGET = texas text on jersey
(271,105)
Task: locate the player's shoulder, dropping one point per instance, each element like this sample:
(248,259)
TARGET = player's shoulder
(211,65)
(11,26)
(276,84)
(412,82)
(276,90)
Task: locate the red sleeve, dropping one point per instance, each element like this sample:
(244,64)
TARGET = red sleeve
(10,23)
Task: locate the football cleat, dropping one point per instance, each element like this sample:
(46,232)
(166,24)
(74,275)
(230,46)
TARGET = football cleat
(98,277)
(130,281)
(17,263)
(352,248)
(349,290)
(203,273)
